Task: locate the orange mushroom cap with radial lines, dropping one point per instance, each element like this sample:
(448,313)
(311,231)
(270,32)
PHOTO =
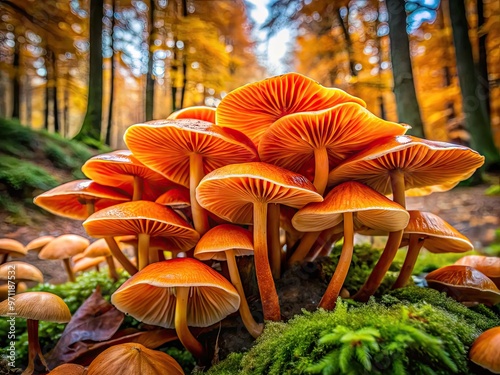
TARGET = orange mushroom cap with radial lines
(176,140)
(229,192)
(254,107)
(12,247)
(142,217)
(464,284)
(371,209)
(64,246)
(485,350)
(427,165)
(97,248)
(118,169)
(68,369)
(68,200)
(23,272)
(28,306)
(440,237)
(221,238)
(202,113)
(343,130)
(176,198)
(149,296)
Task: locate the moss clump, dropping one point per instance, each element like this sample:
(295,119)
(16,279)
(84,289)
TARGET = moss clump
(374,338)
(364,259)
(22,177)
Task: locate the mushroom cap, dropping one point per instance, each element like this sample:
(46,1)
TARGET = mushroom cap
(38,243)
(118,169)
(214,243)
(142,217)
(440,237)
(176,140)
(12,247)
(201,112)
(485,350)
(64,246)
(254,107)
(149,295)
(68,369)
(132,359)
(371,209)
(427,165)
(28,305)
(22,271)
(87,263)
(97,248)
(464,284)
(230,192)
(176,198)
(342,130)
(490,266)
(68,200)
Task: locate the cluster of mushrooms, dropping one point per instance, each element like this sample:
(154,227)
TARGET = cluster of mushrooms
(280,171)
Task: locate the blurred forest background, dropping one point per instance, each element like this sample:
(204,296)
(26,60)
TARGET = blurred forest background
(88,69)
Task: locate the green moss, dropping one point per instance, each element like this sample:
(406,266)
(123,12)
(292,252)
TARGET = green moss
(229,366)
(22,177)
(364,259)
(15,139)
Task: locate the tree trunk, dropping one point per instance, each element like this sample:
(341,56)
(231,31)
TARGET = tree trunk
(476,120)
(65,131)
(28,95)
(91,127)
(16,85)
(348,41)
(404,87)
(55,99)
(109,127)
(173,75)
(46,101)
(184,60)
(150,83)
(482,64)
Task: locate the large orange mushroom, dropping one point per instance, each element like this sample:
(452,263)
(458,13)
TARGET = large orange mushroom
(178,293)
(396,164)
(185,150)
(256,106)
(144,219)
(241,193)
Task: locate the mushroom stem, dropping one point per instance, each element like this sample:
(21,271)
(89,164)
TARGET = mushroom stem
(185,336)
(153,256)
(273,234)
(4,257)
(320,169)
(200,217)
(138,188)
(306,242)
(69,270)
(89,203)
(267,289)
(143,248)
(411,258)
(329,299)
(254,328)
(111,268)
(327,240)
(392,245)
(33,348)
(120,257)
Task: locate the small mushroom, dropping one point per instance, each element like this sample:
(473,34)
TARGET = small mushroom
(11,247)
(178,293)
(201,112)
(17,272)
(38,243)
(99,249)
(85,264)
(464,284)
(490,266)
(485,350)
(36,306)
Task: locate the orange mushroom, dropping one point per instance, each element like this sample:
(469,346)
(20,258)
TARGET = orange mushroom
(144,219)
(185,150)
(85,264)
(122,170)
(356,205)
(38,243)
(241,193)
(433,233)
(11,247)
(78,199)
(256,106)
(490,266)
(395,164)
(99,249)
(178,293)
(485,350)
(68,369)
(224,243)
(196,113)
(323,138)
(17,272)
(464,284)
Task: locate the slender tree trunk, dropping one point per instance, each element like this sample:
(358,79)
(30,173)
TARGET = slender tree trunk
(29,98)
(91,127)
(66,128)
(404,87)
(16,85)
(348,41)
(46,102)
(150,83)
(475,112)
(109,127)
(482,64)
(55,98)
(173,76)
(3,104)
(184,59)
